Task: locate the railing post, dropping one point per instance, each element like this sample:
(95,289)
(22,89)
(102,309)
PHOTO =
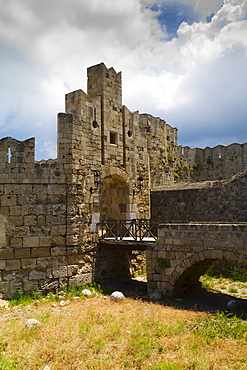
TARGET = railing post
(117,230)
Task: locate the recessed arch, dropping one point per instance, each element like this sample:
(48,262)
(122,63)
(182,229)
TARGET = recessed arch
(115,172)
(114,195)
(185,276)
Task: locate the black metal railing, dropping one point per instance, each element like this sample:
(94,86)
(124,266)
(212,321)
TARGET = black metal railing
(136,229)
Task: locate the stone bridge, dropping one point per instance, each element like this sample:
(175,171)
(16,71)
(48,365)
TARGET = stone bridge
(185,251)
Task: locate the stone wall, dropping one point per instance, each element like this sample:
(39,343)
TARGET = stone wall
(161,142)
(217,163)
(185,251)
(215,201)
(40,244)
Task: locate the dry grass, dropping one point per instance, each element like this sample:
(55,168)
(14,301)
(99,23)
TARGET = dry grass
(237,289)
(97,333)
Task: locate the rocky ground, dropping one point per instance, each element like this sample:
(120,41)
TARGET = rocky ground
(218,293)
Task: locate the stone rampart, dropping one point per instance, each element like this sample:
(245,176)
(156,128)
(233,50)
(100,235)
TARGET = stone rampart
(216,163)
(219,201)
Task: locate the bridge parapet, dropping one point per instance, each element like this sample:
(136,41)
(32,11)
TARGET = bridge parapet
(138,230)
(185,251)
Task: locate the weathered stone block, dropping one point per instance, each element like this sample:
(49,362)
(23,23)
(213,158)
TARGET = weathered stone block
(16,220)
(40,220)
(6,254)
(72,250)
(48,262)
(8,200)
(58,251)
(45,241)
(30,286)
(168,241)
(85,269)
(22,253)
(207,243)
(5,290)
(5,211)
(81,279)
(37,275)
(27,263)
(59,271)
(16,242)
(37,209)
(58,240)
(40,252)
(30,220)
(72,240)
(17,211)
(76,259)
(55,220)
(31,242)
(13,264)
(72,270)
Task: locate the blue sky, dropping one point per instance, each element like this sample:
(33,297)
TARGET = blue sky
(171,14)
(184,61)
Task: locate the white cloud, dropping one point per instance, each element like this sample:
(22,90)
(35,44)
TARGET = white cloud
(52,43)
(204,7)
(231,11)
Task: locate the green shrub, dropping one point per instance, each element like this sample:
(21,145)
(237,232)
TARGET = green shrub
(228,270)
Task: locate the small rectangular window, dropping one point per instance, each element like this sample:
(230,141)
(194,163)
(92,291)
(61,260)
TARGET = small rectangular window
(113,138)
(147,129)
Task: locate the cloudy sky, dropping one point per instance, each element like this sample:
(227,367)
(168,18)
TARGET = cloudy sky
(184,61)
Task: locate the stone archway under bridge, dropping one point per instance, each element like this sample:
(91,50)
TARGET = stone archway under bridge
(184,252)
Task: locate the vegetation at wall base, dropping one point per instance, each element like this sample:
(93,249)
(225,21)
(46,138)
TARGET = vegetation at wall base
(22,299)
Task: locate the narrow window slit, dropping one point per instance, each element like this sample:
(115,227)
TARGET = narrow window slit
(9,154)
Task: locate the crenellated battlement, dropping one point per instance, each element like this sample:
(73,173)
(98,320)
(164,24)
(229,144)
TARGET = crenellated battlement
(214,163)
(18,165)
(13,151)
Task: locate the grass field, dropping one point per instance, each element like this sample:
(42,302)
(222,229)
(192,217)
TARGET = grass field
(96,333)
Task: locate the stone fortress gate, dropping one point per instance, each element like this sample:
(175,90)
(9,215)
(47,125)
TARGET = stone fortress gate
(111,165)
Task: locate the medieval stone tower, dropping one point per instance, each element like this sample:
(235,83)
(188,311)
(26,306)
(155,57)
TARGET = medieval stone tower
(123,149)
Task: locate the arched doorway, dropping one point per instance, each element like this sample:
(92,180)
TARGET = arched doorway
(116,195)
(114,198)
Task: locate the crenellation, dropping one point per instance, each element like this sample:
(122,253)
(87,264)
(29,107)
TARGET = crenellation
(217,163)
